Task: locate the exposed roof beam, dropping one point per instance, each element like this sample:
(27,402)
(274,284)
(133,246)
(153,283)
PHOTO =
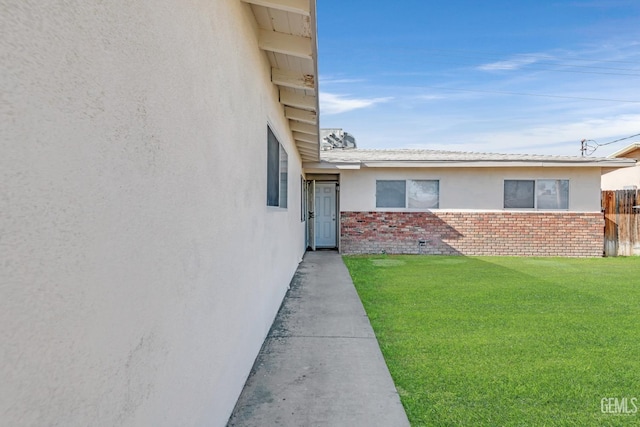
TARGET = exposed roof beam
(301,115)
(307,148)
(305,137)
(292,79)
(304,128)
(286,44)
(297,100)
(295,6)
(307,152)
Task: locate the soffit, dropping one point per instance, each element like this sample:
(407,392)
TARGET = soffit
(287,34)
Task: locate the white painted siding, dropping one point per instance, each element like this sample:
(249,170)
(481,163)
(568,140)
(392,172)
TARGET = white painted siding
(469,188)
(141,265)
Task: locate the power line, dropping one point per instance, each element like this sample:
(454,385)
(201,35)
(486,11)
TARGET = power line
(621,139)
(465,53)
(537,67)
(544,61)
(588,149)
(533,94)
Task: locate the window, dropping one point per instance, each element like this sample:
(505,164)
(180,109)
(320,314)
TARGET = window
(390,194)
(552,193)
(277,172)
(414,194)
(536,194)
(303,199)
(423,194)
(519,194)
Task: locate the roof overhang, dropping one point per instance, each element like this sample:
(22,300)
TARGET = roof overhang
(497,164)
(287,33)
(600,163)
(626,150)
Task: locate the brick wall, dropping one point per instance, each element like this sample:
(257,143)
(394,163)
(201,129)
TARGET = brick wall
(473,233)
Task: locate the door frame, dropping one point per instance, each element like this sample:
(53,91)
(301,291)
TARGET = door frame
(310,183)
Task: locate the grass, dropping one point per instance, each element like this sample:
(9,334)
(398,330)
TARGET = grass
(499,341)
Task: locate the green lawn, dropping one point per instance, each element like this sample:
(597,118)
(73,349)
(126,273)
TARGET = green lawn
(493,341)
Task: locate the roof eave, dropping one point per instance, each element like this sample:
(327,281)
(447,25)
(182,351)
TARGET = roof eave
(625,150)
(357,164)
(297,83)
(496,164)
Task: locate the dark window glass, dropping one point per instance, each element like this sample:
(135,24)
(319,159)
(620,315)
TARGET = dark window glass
(519,194)
(391,194)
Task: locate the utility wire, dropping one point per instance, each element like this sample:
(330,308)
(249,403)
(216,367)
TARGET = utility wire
(618,140)
(588,149)
(533,94)
(549,62)
(466,53)
(537,67)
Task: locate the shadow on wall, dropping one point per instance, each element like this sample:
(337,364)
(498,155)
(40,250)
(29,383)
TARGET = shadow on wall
(393,233)
(573,234)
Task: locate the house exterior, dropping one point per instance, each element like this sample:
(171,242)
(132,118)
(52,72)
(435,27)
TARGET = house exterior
(162,179)
(439,202)
(151,182)
(626,178)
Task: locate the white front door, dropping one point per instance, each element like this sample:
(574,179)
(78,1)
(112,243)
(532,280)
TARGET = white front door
(325,215)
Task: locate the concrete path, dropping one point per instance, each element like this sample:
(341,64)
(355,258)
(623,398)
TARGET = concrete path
(320,364)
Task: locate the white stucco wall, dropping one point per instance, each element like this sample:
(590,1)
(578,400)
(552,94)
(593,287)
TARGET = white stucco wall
(620,178)
(141,268)
(469,188)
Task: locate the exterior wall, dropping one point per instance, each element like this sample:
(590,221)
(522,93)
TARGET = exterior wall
(471,219)
(473,233)
(141,266)
(618,179)
(469,188)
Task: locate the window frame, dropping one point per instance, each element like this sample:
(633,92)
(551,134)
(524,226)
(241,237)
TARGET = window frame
(277,172)
(406,204)
(536,194)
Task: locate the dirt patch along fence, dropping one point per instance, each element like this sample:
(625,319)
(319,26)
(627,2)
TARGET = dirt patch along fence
(621,222)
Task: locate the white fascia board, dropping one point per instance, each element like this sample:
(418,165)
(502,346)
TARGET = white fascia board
(327,165)
(490,164)
(625,150)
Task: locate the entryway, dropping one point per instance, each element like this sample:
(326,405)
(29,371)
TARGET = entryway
(322,218)
(326,215)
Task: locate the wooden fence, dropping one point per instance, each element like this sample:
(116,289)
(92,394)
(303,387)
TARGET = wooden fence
(621,222)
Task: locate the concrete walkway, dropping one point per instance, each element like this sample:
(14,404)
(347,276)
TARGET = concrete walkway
(320,364)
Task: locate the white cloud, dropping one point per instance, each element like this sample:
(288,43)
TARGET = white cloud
(515,63)
(335,80)
(331,103)
(560,137)
(429,97)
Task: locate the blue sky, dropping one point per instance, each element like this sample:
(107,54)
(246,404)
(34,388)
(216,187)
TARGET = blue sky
(492,76)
